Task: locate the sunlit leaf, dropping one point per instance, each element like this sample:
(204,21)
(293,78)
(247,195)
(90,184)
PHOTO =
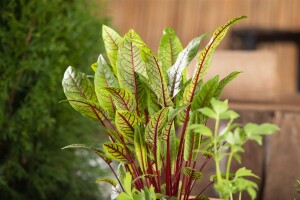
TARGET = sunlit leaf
(156,123)
(112,41)
(205,57)
(183,60)
(123,99)
(156,77)
(169,48)
(116,151)
(80,93)
(125,122)
(104,77)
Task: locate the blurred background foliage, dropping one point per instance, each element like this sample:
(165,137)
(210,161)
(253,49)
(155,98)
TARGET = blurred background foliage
(39,39)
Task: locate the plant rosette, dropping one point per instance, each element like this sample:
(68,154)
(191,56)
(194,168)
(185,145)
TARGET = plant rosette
(141,99)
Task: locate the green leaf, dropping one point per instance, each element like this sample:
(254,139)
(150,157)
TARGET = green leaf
(174,112)
(125,121)
(206,93)
(208,112)
(99,152)
(183,60)
(130,63)
(224,82)
(153,128)
(229,114)
(112,40)
(140,149)
(116,151)
(266,129)
(244,172)
(121,172)
(128,182)
(107,180)
(156,77)
(200,128)
(80,93)
(123,99)
(152,102)
(255,132)
(124,196)
(104,77)
(205,57)
(192,173)
(219,106)
(169,48)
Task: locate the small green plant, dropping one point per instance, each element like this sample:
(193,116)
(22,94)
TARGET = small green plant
(140,99)
(298,186)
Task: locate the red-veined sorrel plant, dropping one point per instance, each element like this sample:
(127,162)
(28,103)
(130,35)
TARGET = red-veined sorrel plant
(140,99)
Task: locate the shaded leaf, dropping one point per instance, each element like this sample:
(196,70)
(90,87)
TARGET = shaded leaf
(206,93)
(140,149)
(192,173)
(224,82)
(107,180)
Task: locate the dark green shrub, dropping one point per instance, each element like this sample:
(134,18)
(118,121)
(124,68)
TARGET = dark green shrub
(39,39)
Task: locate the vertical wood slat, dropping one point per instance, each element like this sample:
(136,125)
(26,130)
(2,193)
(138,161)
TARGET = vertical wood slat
(283,167)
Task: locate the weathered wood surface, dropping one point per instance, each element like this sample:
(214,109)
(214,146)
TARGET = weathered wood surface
(191,18)
(283,161)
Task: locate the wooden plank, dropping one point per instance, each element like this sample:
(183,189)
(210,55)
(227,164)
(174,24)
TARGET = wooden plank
(258,81)
(283,167)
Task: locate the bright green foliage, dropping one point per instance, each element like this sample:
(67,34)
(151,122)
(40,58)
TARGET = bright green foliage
(147,98)
(39,39)
(169,48)
(133,194)
(234,137)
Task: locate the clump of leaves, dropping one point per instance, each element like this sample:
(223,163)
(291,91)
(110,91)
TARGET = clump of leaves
(140,99)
